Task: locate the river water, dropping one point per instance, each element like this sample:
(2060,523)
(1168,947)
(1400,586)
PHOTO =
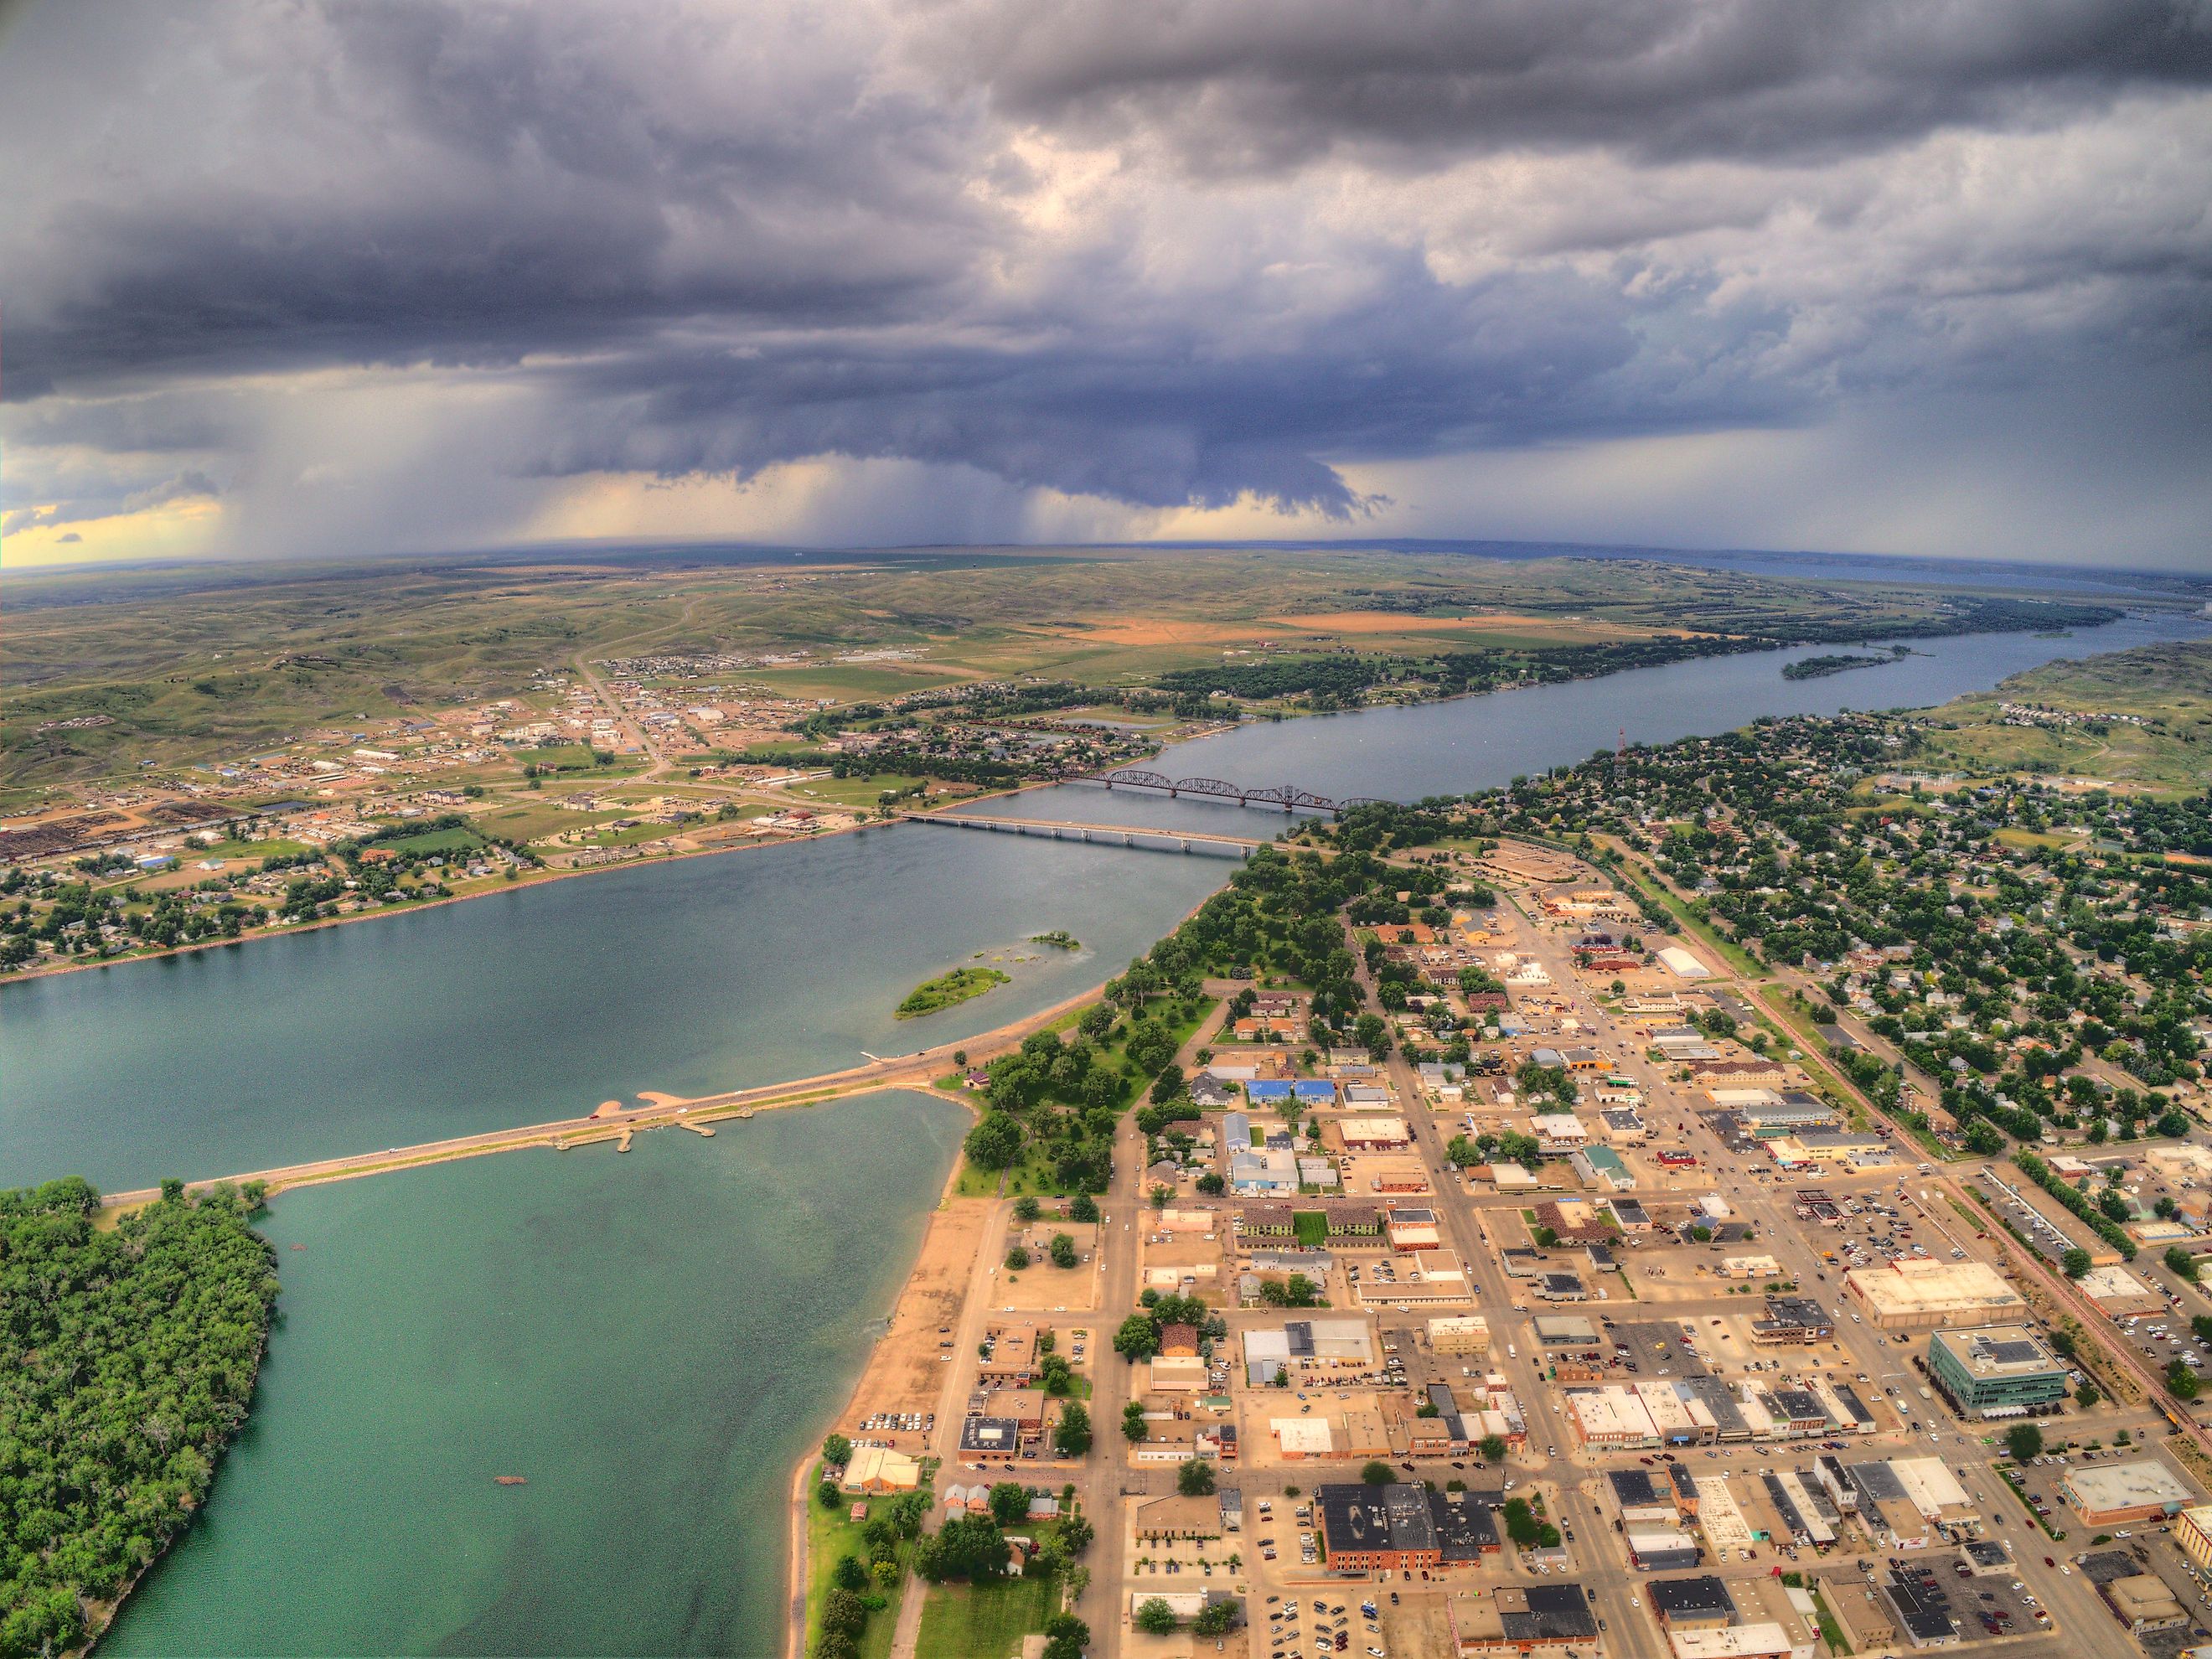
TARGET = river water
(651,1338)
(1477,743)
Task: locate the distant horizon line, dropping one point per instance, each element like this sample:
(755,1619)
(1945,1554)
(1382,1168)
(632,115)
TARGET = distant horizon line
(1505,548)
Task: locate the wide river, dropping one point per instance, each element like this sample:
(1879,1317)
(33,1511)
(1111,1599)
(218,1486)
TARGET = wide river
(652,1338)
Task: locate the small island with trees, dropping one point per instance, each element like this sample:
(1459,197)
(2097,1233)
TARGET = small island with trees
(1841,662)
(947,989)
(1059,938)
(127,1361)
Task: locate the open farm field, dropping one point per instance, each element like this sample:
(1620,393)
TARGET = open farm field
(115,673)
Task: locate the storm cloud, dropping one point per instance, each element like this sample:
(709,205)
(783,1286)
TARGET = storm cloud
(350,276)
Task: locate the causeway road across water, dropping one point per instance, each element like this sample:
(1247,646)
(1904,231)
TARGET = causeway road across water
(919,1070)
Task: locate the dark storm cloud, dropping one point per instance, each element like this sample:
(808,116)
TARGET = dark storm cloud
(1151,416)
(1660,79)
(426,182)
(713,237)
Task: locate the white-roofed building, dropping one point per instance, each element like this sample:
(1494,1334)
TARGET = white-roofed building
(1761,1641)
(1374,1134)
(1610,1418)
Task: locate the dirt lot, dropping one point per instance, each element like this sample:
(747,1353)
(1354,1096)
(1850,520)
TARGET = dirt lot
(1417,1628)
(1041,1287)
(903,1372)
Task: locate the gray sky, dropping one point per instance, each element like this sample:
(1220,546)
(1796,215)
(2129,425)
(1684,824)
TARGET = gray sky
(312,278)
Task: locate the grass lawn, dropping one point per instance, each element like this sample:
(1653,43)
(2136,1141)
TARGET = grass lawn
(1033,1175)
(437,841)
(829,1535)
(636,835)
(252,849)
(851,792)
(968,1621)
(1312,1228)
(563,757)
(534,822)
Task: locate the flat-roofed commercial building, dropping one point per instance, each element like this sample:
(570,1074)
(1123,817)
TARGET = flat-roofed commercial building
(1793,1320)
(1679,1415)
(1997,1370)
(1401,1528)
(1610,1418)
(1513,1620)
(1662,1550)
(1761,1641)
(2113,1494)
(1566,1333)
(2192,1531)
(1699,1603)
(1411,1229)
(1375,1135)
(2118,1292)
(1459,1334)
(1931,1295)
(1559,1132)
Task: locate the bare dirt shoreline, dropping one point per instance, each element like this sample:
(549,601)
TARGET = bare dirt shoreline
(946,1255)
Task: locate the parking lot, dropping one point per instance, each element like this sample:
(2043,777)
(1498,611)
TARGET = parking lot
(1655,1348)
(1983,1607)
(2161,1339)
(1335,1620)
(2039,1480)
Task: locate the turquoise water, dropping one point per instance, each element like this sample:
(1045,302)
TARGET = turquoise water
(651,1339)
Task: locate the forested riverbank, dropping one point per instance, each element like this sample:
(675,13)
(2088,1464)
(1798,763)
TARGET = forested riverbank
(127,1359)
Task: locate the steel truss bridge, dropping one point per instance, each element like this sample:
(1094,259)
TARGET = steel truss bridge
(1288,797)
